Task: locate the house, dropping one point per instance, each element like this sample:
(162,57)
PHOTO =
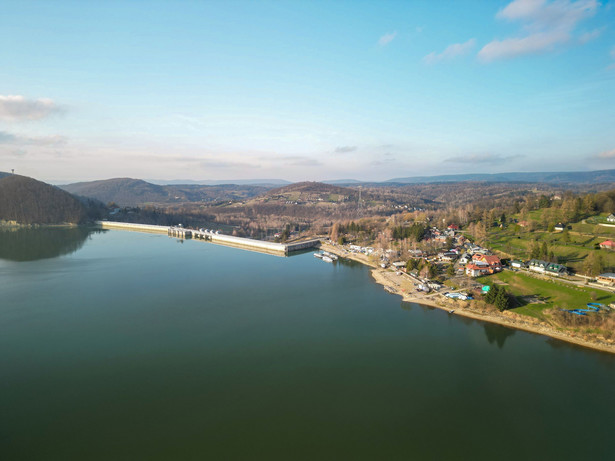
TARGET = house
(474,270)
(611,218)
(608,278)
(447,256)
(537,265)
(608,244)
(556,269)
(492,261)
(559,226)
(517,264)
(453,227)
(465,259)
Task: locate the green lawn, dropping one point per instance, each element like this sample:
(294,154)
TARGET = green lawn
(581,241)
(550,293)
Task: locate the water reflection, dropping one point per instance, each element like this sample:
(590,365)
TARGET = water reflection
(497,333)
(26,244)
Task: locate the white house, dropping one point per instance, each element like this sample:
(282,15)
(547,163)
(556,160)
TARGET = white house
(537,265)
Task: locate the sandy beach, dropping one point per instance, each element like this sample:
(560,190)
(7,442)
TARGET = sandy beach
(403,286)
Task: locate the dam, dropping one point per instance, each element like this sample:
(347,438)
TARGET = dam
(279,249)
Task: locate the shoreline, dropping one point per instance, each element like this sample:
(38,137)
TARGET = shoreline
(401,287)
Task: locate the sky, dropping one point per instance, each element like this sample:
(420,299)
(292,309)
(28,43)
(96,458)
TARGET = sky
(305,90)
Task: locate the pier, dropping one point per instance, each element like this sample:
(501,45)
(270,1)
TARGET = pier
(261,246)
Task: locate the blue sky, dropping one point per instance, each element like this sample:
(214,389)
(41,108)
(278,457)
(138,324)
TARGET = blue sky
(305,90)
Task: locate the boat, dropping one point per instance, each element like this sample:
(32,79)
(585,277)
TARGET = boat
(451,311)
(318,255)
(327,259)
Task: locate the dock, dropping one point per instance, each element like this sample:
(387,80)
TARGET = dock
(261,246)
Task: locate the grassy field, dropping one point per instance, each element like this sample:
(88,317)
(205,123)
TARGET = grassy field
(536,295)
(572,247)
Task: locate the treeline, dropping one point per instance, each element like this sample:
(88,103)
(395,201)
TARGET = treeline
(415,232)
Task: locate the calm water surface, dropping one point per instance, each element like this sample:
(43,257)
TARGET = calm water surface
(120,345)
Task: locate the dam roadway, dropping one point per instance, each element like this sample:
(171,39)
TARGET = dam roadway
(280,249)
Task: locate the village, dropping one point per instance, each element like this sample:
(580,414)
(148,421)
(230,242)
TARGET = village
(461,265)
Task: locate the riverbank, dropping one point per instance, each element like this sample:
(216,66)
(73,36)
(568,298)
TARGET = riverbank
(403,286)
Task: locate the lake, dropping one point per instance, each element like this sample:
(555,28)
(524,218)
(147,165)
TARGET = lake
(119,345)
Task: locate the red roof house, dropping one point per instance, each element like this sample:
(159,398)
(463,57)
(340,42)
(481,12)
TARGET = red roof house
(608,244)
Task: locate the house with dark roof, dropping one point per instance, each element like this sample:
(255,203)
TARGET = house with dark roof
(556,269)
(537,265)
(611,218)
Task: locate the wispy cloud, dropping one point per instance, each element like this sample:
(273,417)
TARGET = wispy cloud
(608,154)
(15,108)
(482,158)
(545,27)
(385,159)
(451,51)
(345,149)
(589,36)
(387,38)
(301,161)
(10,138)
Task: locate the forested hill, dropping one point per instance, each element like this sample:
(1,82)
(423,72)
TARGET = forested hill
(28,201)
(136,192)
(123,191)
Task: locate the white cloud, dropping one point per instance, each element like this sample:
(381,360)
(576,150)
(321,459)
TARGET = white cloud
(545,26)
(451,51)
(10,138)
(15,108)
(609,154)
(387,38)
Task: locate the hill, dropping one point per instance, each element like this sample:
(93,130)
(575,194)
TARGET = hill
(225,182)
(563,177)
(28,201)
(136,192)
(311,192)
(123,191)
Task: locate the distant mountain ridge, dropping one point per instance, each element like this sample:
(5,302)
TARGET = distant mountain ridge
(566,177)
(135,192)
(223,182)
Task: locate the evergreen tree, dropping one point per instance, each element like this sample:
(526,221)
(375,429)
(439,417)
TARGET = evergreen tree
(492,293)
(501,300)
